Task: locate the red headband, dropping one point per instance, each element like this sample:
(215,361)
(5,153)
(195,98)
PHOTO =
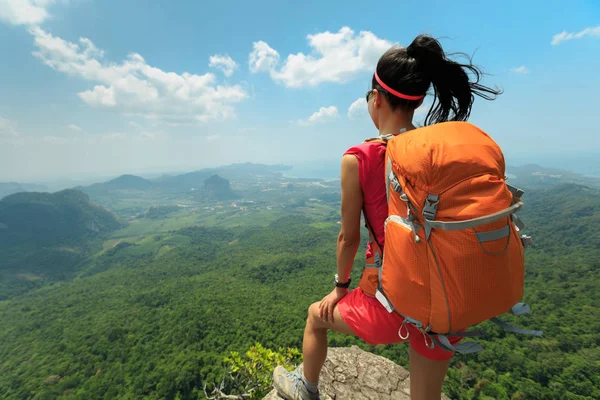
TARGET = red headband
(396,93)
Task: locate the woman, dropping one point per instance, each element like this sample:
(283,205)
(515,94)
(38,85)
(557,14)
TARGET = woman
(399,85)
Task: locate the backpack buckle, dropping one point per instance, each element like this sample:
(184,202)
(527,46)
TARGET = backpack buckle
(526,240)
(377,260)
(431,205)
(516,192)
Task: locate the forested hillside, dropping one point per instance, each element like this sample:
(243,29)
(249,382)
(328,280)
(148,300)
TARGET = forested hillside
(44,236)
(153,317)
(44,218)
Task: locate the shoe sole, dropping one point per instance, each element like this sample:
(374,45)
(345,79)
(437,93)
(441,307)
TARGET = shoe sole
(281,396)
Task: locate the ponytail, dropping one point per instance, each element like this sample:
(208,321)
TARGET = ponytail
(422,64)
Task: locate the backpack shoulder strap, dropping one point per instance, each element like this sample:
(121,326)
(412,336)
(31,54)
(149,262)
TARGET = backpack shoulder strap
(379,139)
(371,233)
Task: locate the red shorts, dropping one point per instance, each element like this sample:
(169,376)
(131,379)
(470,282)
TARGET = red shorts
(371,322)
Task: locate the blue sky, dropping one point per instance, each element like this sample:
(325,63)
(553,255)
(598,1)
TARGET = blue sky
(91,87)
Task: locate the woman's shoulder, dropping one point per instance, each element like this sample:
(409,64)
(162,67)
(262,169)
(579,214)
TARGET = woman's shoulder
(372,151)
(363,147)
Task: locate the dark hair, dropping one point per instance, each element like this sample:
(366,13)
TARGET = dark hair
(413,69)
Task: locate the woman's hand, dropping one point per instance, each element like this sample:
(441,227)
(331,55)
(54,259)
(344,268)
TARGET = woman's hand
(328,303)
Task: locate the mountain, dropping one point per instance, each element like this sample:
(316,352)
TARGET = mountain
(129,182)
(535,176)
(43,237)
(217,188)
(238,171)
(44,219)
(580,162)
(126,195)
(184,182)
(7,188)
(123,182)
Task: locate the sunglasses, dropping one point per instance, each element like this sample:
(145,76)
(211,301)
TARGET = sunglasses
(371,91)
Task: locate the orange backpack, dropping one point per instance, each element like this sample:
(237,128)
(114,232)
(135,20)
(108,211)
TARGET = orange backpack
(453,255)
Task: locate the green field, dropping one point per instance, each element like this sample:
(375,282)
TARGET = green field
(226,217)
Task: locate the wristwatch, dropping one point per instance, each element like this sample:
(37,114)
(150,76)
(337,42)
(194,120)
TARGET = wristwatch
(339,284)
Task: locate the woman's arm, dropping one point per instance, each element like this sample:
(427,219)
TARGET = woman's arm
(349,237)
(352,201)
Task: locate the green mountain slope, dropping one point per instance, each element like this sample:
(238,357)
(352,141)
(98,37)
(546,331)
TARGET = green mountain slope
(123,182)
(153,318)
(45,219)
(44,236)
(129,182)
(217,188)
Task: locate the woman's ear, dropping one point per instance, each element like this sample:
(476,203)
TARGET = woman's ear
(376,98)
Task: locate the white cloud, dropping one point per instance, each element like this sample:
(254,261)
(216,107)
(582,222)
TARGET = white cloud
(224,63)
(24,12)
(8,128)
(212,138)
(336,57)
(358,108)
(520,70)
(263,58)
(135,88)
(74,127)
(564,35)
(324,114)
(102,96)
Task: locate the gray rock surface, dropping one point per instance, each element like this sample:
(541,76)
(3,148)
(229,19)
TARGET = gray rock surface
(352,374)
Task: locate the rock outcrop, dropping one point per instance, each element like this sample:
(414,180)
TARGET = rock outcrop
(217,188)
(353,374)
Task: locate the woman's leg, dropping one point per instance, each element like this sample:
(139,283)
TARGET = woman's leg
(426,376)
(293,386)
(314,346)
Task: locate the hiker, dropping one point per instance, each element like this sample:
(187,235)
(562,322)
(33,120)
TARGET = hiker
(399,86)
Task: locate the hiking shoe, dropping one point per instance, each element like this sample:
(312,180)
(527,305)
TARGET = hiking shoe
(290,386)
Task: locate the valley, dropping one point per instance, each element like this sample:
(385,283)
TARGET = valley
(141,291)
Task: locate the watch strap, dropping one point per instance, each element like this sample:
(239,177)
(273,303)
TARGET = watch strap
(339,284)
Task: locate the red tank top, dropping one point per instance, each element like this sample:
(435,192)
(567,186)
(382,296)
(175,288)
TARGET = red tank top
(371,174)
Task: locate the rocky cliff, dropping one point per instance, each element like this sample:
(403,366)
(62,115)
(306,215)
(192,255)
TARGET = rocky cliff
(217,188)
(353,374)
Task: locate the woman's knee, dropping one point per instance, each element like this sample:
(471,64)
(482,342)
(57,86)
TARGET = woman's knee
(313,312)
(314,320)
